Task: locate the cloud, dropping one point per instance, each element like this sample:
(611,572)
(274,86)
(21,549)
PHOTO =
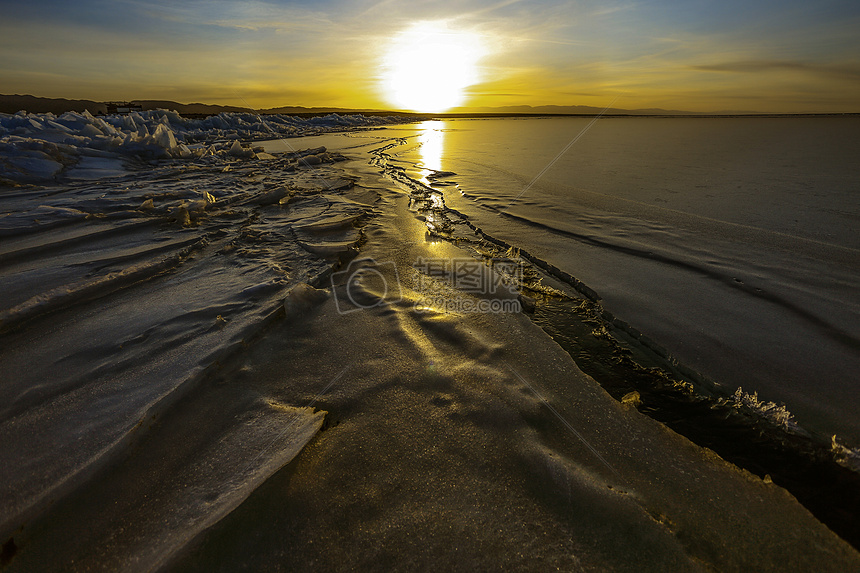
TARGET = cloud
(763,66)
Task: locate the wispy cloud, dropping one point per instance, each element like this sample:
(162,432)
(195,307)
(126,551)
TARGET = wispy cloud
(765,66)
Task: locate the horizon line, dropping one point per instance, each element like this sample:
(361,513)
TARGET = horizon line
(521,110)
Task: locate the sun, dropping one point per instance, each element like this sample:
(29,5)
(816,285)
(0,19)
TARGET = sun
(428,66)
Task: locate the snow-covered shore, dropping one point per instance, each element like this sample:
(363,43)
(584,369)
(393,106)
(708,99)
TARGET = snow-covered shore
(40,147)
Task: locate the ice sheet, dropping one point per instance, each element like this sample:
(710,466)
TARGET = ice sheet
(447,452)
(119,294)
(166,413)
(731,242)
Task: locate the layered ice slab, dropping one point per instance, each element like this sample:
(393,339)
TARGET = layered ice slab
(121,295)
(203,472)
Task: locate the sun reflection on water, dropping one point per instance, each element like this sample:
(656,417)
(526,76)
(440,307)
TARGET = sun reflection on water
(432,140)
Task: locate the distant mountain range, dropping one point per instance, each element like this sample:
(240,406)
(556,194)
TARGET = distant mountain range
(592,110)
(573,110)
(33,104)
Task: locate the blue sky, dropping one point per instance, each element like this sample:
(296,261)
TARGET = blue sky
(787,56)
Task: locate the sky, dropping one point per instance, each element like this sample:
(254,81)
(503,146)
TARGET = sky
(754,55)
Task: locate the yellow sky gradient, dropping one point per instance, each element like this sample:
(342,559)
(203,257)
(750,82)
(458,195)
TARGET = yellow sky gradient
(770,57)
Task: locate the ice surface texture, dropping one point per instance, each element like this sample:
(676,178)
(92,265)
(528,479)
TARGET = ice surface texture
(120,295)
(153,401)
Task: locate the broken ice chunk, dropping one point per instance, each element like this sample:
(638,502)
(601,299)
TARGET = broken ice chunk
(163,137)
(236,150)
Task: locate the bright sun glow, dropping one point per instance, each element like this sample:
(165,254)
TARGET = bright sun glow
(429,65)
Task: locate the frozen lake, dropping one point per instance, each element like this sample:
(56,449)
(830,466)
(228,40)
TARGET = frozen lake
(732,242)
